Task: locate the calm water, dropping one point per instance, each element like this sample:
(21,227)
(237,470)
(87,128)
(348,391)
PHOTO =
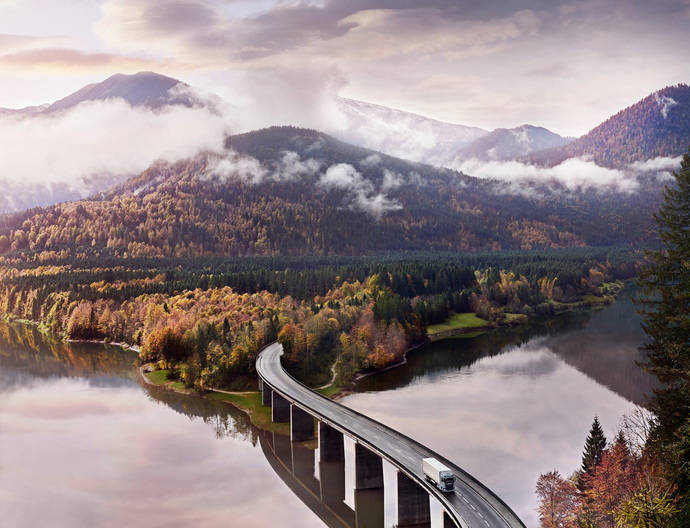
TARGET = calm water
(82,443)
(508,406)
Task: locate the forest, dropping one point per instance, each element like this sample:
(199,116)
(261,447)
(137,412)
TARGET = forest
(205,318)
(270,197)
(639,132)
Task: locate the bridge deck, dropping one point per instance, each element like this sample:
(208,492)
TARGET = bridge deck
(471,506)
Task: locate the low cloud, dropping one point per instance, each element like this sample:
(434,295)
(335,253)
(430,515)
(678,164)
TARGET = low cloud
(232,165)
(290,167)
(101,141)
(391,180)
(574,174)
(661,166)
(665,103)
(360,192)
(372,160)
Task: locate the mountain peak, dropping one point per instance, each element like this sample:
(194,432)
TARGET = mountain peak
(147,88)
(505,144)
(656,126)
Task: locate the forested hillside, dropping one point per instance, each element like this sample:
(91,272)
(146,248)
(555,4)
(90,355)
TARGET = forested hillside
(656,126)
(292,191)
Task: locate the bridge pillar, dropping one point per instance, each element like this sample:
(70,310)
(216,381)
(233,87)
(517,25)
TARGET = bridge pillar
(447,521)
(368,469)
(266,393)
(369,508)
(331,444)
(301,424)
(280,408)
(413,503)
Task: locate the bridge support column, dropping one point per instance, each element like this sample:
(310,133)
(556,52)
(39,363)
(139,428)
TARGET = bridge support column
(331,444)
(266,393)
(368,469)
(369,508)
(301,424)
(280,408)
(413,503)
(447,521)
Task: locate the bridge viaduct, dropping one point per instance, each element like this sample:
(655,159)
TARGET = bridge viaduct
(310,414)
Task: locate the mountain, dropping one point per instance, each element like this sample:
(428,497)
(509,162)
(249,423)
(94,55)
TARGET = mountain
(418,138)
(147,89)
(65,174)
(402,134)
(505,144)
(285,190)
(656,126)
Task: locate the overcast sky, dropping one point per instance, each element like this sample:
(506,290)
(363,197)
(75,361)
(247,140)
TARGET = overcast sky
(563,65)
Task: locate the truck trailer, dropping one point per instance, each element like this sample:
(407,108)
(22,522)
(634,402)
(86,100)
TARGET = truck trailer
(439,474)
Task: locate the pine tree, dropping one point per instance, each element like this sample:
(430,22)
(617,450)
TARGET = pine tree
(665,307)
(594,449)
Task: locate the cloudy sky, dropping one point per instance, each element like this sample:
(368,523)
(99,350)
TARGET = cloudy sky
(563,65)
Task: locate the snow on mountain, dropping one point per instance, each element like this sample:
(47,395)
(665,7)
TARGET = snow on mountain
(403,134)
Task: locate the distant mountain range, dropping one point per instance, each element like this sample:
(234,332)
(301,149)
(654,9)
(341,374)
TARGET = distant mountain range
(403,134)
(504,144)
(289,190)
(418,138)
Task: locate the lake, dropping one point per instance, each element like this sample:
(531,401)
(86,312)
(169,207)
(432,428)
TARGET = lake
(511,404)
(83,443)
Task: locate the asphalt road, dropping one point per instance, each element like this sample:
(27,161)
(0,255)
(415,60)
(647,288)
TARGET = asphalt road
(472,505)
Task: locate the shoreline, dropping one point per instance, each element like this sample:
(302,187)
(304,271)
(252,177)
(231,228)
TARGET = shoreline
(244,401)
(560,309)
(240,399)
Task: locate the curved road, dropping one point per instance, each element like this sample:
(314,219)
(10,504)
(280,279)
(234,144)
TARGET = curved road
(472,505)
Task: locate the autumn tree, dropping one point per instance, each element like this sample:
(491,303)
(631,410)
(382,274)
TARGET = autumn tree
(558,501)
(608,484)
(648,508)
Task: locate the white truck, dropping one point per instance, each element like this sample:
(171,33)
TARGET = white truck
(439,474)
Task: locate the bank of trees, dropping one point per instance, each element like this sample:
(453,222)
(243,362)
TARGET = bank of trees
(205,318)
(619,485)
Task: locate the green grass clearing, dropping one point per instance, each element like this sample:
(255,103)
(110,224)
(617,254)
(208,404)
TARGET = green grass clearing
(158,377)
(457,322)
(329,391)
(468,335)
(251,404)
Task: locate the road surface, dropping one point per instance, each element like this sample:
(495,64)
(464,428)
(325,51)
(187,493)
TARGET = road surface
(472,505)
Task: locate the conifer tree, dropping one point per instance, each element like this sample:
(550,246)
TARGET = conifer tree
(595,444)
(665,307)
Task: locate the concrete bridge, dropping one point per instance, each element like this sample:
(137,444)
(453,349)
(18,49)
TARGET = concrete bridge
(311,415)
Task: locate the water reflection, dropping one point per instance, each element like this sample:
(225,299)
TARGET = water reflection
(32,354)
(82,443)
(78,452)
(510,405)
